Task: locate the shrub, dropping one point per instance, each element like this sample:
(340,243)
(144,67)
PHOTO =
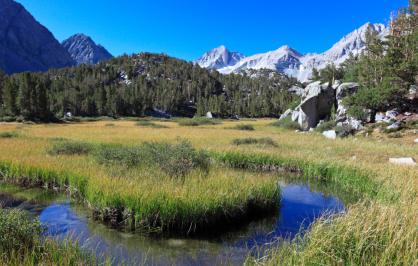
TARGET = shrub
(147,123)
(8,135)
(287,123)
(194,122)
(395,135)
(17,231)
(128,156)
(250,141)
(70,148)
(176,159)
(328,125)
(344,131)
(247,127)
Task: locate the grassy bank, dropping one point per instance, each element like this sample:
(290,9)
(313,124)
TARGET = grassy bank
(21,244)
(380,228)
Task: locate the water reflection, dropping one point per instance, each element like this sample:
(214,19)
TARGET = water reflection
(299,207)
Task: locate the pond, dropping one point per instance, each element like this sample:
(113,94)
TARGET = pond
(300,205)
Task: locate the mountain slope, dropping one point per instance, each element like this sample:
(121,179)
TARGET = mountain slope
(84,50)
(289,61)
(26,45)
(219,57)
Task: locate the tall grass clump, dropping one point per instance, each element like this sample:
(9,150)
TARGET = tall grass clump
(70,148)
(147,123)
(17,231)
(287,123)
(8,135)
(368,234)
(252,141)
(117,154)
(246,127)
(176,159)
(200,121)
(21,243)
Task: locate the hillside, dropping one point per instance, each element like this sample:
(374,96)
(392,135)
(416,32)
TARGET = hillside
(138,84)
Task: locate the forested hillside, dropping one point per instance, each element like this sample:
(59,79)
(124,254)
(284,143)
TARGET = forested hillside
(134,85)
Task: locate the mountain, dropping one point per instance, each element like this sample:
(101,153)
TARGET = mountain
(84,50)
(219,58)
(26,45)
(284,59)
(289,61)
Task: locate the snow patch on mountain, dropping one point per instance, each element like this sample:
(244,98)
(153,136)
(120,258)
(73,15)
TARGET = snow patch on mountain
(289,61)
(218,58)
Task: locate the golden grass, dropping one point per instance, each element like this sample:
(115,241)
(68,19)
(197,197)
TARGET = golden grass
(360,241)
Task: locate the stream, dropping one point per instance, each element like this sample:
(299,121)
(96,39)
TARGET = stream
(299,207)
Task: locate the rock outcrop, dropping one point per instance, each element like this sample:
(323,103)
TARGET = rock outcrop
(26,45)
(317,102)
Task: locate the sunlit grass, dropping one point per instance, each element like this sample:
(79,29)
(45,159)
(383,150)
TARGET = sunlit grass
(368,234)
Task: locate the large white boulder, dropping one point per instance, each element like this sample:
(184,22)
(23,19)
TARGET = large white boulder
(403,161)
(344,90)
(316,105)
(330,134)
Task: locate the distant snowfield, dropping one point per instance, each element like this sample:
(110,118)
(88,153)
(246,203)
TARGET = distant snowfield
(289,61)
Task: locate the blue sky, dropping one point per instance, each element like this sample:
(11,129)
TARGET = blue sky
(187,28)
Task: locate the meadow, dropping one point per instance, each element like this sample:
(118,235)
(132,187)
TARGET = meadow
(220,180)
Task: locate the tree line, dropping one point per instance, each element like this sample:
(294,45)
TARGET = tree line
(133,85)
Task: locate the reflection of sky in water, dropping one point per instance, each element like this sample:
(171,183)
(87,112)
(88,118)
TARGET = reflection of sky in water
(299,207)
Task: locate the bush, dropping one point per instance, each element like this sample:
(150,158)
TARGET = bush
(344,131)
(17,231)
(251,141)
(287,123)
(176,159)
(328,125)
(8,135)
(70,148)
(147,123)
(247,127)
(7,119)
(128,156)
(194,122)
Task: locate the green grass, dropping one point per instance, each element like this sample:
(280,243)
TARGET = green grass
(147,123)
(70,148)
(177,160)
(21,243)
(8,135)
(327,125)
(201,121)
(350,179)
(287,123)
(255,141)
(245,127)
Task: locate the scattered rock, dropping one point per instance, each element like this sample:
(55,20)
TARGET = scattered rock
(395,126)
(296,90)
(403,161)
(392,114)
(330,134)
(209,115)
